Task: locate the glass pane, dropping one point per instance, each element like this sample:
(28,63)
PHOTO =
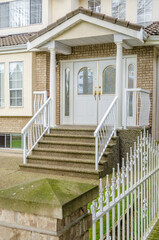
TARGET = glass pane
(119,9)
(85,81)
(2,85)
(144,11)
(131,76)
(94,5)
(108,83)
(36,11)
(16,141)
(130,104)
(2,141)
(8,141)
(4,15)
(19,13)
(67,86)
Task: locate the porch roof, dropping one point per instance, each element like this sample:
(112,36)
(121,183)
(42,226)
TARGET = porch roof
(134,33)
(87,12)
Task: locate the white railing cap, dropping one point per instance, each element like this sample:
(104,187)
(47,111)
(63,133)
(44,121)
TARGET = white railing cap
(137,90)
(36,114)
(104,117)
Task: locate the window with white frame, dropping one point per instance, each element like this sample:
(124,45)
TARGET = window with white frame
(16,84)
(144,11)
(94,5)
(19,13)
(119,9)
(1,84)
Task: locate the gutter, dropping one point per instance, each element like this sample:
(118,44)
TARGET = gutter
(13,49)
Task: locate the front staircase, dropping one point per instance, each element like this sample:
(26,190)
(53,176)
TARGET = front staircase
(68,151)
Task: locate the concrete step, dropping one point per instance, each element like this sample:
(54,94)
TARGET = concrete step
(69,162)
(66,153)
(69,137)
(73,131)
(66,145)
(63,171)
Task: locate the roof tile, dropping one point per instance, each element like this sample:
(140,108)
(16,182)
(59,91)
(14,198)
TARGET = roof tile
(16,39)
(152,29)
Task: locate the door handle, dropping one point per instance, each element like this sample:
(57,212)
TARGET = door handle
(99,92)
(95,93)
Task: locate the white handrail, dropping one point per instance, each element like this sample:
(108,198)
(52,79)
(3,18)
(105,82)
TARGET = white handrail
(105,131)
(136,107)
(36,128)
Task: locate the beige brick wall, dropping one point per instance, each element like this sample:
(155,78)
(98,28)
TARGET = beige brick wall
(12,124)
(42,71)
(145,65)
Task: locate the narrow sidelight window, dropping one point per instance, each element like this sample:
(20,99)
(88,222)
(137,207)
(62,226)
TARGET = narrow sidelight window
(144,11)
(67,92)
(85,81)
(108,83)
(16,84)
(1,84)
(119,9)
(94,5)
(131,74)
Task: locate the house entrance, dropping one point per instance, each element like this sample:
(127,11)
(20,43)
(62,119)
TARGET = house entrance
(80,82)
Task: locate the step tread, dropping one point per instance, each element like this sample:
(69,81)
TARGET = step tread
(62,168)
(66,151)
(66,143)
(50,158)
(88,129)
(68,135)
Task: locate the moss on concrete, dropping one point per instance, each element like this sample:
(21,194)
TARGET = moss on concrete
(48,197)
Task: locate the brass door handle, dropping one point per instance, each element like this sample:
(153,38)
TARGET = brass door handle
(95,94)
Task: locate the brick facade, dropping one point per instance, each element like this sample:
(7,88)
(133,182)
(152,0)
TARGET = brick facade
(42,71)
(12,124)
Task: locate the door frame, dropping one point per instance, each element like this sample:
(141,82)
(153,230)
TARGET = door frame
(70,119)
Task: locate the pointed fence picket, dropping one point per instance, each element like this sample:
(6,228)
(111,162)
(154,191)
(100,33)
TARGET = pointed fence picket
(128,205)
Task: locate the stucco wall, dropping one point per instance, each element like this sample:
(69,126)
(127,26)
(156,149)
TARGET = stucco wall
(26,109)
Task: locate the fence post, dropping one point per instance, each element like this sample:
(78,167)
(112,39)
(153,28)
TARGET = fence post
(48,131)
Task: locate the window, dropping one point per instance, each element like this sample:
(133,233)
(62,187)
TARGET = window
(85,81)
(94,5)
(67,91)
(11,141)
(16,83)
(131,75)
(119,9)
(144,11)
(108,83)
(1,84)
(20,13)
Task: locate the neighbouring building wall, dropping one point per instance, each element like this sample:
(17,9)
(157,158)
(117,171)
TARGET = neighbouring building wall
(145,65)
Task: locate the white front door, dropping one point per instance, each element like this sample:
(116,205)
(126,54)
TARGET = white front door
(85,80)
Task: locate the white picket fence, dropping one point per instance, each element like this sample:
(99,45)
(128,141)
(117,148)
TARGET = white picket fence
(128,206)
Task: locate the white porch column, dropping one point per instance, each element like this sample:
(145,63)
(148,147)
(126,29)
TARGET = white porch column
(53,87)
(119,83)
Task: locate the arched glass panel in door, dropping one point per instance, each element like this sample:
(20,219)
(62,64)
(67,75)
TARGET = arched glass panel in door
(131,79)
(85,81)
(108,82)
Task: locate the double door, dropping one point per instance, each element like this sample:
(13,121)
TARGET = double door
(89,89)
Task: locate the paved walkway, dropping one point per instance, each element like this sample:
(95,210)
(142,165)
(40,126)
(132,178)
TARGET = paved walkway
(155,233)
(10,174)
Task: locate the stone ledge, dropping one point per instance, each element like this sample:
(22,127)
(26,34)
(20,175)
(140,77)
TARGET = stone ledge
(48,197)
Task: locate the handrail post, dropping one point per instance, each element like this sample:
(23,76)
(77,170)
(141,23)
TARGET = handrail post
(125,108)
(24,148)
(96,151)
(48,131)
